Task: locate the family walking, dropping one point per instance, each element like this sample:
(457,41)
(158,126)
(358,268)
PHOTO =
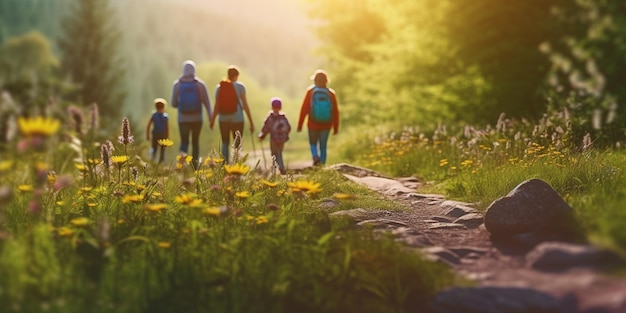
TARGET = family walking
(190,96)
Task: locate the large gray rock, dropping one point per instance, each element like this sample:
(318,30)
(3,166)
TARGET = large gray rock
(532,207)
(560,256)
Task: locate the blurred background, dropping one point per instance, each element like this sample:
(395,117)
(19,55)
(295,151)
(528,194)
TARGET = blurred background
(394,63)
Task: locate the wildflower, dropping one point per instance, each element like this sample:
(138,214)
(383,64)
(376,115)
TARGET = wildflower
(236,169)
(25,188)
(341,196)
(188,199)
(38,127)
(269,183)
(262,220)
(51,178)
(81,167)
(307,187)
(105,153)
(165,142)
(77,118)
(164,245)
(443,162)
(211,211)
(80,221)
(119,159)
(84,190)
(155,207)
(6,165)
(65,231)
(132,198)
(467,163)
(126,137)
(242,194)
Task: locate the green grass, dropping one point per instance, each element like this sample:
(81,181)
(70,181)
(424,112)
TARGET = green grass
(80,236)
(482,165)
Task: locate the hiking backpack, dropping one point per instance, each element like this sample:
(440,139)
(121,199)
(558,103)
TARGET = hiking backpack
(159,121)
(321,105)
(227,98)
(279,129)
(188,97)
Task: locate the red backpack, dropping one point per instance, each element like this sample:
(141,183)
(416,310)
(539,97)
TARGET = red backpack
(227,98)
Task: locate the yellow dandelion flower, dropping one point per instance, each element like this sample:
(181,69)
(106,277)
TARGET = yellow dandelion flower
(342,196)
(60,203)
(141,188)
(184,158)
(129,183)
(242,194)
(249,217)
(132,198)
(467,163)
(65,231)
(164,245)
(165,142)
(94,161)
(120,221)
(25,188)
(119,159)
(80,221)
(155,207)
(189,199)
(262,220)
(157,194)
(80,167)
(443,162)
(269,183)
(38,126)
(210,160)
(307,187)
(213,211)
(236,169)
(51,178)
(6,165)
(84,190)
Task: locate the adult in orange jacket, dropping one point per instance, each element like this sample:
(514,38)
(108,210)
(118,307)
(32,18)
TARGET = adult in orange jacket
(320,106)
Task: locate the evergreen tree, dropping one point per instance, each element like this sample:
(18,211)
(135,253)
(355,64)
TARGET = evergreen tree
(89,55)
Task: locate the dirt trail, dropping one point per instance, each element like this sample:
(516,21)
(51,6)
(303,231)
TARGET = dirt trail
(504,281)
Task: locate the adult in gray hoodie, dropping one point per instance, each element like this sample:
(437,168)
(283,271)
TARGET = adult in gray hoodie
(189,95)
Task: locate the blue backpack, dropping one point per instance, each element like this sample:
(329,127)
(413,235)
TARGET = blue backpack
(189,98)
(159,121)
(321,105)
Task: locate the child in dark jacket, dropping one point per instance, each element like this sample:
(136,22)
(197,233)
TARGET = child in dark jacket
(160,128)
(277,125)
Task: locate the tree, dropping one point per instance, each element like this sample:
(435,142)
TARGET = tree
(28,70)
(89,56)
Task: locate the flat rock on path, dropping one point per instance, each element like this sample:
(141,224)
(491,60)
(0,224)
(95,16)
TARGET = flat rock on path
(507,278)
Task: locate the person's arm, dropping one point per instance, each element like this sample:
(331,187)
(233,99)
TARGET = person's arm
(247,110)
(148,128)
(174,100)
(215,111)
(304,109)
(204,96)
(335,112)
(266,127)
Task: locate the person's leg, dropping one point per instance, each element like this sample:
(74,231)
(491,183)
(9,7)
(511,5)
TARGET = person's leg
(184,137)
(225,134)
(155,146)
(278,154)
(323,143)
(196,127)
(313,140)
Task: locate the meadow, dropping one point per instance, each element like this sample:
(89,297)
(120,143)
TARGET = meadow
(87,226)
(481,164)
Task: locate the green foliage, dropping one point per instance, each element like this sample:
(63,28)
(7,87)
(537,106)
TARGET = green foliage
(106,233)
(480,165)
(90,48)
